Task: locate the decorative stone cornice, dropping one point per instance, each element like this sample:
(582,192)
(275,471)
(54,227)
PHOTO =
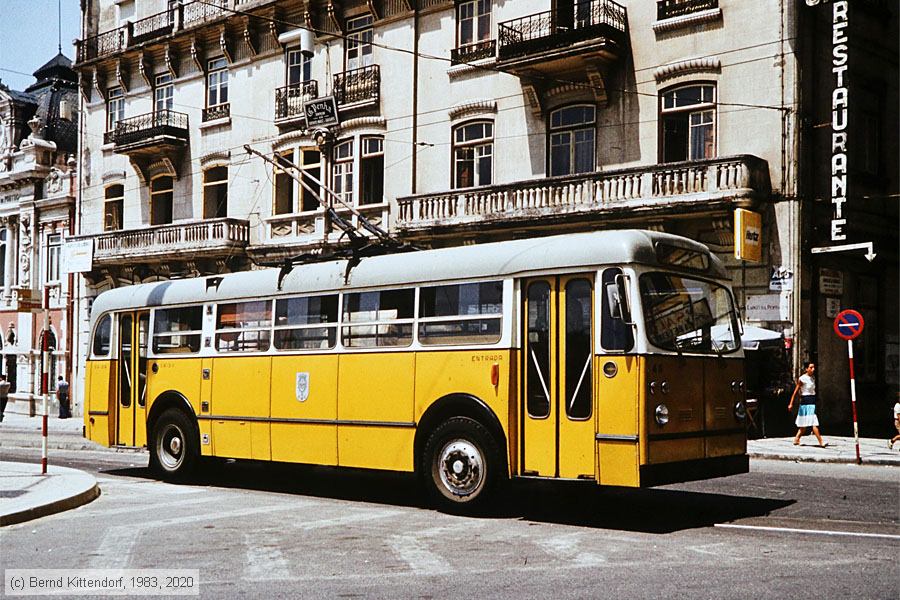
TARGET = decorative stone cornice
(709,64)
(114,175)
(473,107)
(290,138)
(691,20)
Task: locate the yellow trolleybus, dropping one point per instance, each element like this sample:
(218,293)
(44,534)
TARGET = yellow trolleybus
(609,356)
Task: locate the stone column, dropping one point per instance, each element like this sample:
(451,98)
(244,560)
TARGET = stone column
(12,251)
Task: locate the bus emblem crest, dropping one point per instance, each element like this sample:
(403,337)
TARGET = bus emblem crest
(302,386)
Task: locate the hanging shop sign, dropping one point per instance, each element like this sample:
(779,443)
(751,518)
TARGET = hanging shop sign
(747,235)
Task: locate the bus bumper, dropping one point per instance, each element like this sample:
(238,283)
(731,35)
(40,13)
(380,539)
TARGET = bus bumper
(692,470)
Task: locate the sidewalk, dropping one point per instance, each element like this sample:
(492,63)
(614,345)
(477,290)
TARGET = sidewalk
(21,431)
(873,451)
(26,494)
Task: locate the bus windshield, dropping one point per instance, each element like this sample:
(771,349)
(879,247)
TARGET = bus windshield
(684,314)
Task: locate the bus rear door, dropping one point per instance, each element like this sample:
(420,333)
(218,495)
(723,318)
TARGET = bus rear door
(131,388)
(557,363)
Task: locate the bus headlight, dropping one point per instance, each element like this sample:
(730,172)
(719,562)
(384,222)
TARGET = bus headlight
(740,411)
(662,414)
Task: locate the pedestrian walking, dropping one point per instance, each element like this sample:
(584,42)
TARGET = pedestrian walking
(62,395)
(4,395)
(896,423)
(806,415)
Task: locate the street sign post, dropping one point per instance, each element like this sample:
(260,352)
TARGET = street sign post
(848,325)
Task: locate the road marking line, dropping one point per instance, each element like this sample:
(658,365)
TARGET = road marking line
(421,560)
(887,536)
(96,511)
(264,561)
(566,548)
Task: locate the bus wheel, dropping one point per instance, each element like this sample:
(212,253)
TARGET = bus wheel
(173,451)
(460,465)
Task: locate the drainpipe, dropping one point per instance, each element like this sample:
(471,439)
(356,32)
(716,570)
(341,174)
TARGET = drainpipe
(415,100)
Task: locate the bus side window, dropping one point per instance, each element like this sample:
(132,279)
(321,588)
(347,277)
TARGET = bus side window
(102,336)
(308,323)
(469,313)
(243,326)
(177,330)
(615,333)
(379,319)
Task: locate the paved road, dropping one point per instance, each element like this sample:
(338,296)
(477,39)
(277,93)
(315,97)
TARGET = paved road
(288,532)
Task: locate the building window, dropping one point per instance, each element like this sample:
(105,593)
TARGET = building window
(359,42)
(473,150)
(573,131)
(217,83)
(299,67)
(113,206)
(164,93)
(342,171)
(311,171)
(284,184)
(688,123)
(310,167)
(372,170)
(115,107)
(473,21)
(668,9)
(54,246)
(161,196)
(215,193)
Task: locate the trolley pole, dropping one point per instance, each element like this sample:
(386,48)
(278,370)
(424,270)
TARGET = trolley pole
(45,374)
(853,400)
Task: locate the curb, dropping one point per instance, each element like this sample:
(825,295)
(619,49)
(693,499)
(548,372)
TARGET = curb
(51,508)
(823,459)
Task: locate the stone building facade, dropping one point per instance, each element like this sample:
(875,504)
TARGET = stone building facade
(38,141)
(459,122)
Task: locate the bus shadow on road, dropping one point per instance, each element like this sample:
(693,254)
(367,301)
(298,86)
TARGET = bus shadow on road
(653,510)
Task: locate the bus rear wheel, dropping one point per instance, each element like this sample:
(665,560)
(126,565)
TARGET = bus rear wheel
(174,447)
(460,465)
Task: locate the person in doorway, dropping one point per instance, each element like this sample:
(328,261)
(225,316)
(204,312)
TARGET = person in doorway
(806,415)
(62,394)
(896,438)
(4,395)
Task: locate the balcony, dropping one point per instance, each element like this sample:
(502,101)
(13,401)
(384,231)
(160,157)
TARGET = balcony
(289,100)
(163,127)
(548,41)
(669,9)
(181,17)
(219,111)
(652,191)
(359,87)
(212,239)
(146,138)
(286,233)
(473,52)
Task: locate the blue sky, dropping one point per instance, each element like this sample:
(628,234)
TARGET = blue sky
(29,36)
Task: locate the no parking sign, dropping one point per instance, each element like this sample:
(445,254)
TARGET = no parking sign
(848,325)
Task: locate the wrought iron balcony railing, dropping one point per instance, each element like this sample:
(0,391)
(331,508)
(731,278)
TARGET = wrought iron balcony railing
(210,236)
(736,179)
(560,27)
(290,98)
(219,111)
(667,9)
(182,16)
(476,51)
(358,85)
(147,127)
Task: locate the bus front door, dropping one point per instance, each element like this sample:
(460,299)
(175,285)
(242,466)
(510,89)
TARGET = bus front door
(557,357)
(131,401)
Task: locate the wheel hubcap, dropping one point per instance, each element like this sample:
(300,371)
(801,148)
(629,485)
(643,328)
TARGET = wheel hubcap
(170,447)
(461,467)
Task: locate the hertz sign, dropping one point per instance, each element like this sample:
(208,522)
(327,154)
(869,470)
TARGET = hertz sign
(747,235)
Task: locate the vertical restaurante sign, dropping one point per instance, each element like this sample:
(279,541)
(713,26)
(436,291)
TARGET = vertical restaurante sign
(839,117)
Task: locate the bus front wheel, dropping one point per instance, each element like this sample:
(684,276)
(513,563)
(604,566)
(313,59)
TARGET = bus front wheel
(460,465)
(174,447)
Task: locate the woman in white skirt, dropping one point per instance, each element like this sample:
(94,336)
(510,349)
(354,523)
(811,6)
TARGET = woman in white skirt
(806,416)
